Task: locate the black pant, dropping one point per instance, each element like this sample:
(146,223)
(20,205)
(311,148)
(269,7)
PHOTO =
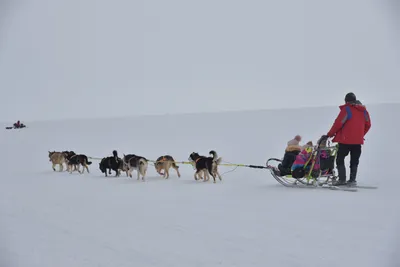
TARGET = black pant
(342,153)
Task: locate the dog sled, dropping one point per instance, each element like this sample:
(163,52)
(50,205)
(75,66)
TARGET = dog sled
(318,172)
(17,125)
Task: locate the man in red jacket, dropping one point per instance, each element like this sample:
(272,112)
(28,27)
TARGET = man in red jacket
(348,130)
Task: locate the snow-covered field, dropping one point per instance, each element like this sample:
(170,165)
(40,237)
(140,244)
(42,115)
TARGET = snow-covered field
(50,219)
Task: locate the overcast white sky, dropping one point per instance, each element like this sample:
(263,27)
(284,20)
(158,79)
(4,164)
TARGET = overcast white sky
(95,58)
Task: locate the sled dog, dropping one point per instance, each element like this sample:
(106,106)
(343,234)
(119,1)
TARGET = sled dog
(206,165)
(68,155)
(57,158)
(79,159)
(134,162)
(112,163)
(165,163)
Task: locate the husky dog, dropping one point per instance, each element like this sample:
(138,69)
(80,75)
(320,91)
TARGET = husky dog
(57,158)
(165,163)
(113,163)
(78,159)
(68,155)
(207,165)
(134,162)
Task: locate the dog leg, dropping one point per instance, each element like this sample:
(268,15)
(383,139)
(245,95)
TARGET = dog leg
(70,169)
(177,171)
(54,167)
(166,173)
(87,168)
(213,178)
(144,174)
(197,175)
(211,170)
(219,176)
(206,176)
(138,173)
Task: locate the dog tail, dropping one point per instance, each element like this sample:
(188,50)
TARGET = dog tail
(142,162)
(175,165)
(87,161)
(101,165)
(214,154)
(142,166)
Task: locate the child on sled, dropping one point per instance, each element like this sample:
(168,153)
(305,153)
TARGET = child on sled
(321,162)
(297,157)
(292,150)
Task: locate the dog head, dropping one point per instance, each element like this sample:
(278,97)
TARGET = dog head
(125,164)
(68,154)
(51,153)
(122,166)
(159,164)
(124,159)
(193,156)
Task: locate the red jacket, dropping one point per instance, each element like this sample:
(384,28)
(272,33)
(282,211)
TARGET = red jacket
(351,125)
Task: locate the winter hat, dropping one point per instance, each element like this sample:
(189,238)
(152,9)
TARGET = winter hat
(350,97)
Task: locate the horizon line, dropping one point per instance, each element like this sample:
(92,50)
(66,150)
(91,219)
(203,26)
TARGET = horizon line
(196,113)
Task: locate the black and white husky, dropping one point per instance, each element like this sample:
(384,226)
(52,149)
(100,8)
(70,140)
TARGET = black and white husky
(206,165)
(134,162)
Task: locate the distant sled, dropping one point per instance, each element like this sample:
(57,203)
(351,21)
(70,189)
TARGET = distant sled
(17,125)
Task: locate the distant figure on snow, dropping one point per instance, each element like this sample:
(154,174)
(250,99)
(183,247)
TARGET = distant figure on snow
(18,124)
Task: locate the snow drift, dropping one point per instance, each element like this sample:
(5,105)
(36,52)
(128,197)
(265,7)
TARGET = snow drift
(50,218)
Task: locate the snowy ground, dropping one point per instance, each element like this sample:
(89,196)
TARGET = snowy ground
(52,219)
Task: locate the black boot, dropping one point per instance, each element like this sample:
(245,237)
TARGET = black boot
(353,175)
(342,176)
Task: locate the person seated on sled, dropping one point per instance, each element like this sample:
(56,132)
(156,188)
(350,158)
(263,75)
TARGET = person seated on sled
(303,162)
(295,141)
(327,160)
(17,124)
(292,150)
